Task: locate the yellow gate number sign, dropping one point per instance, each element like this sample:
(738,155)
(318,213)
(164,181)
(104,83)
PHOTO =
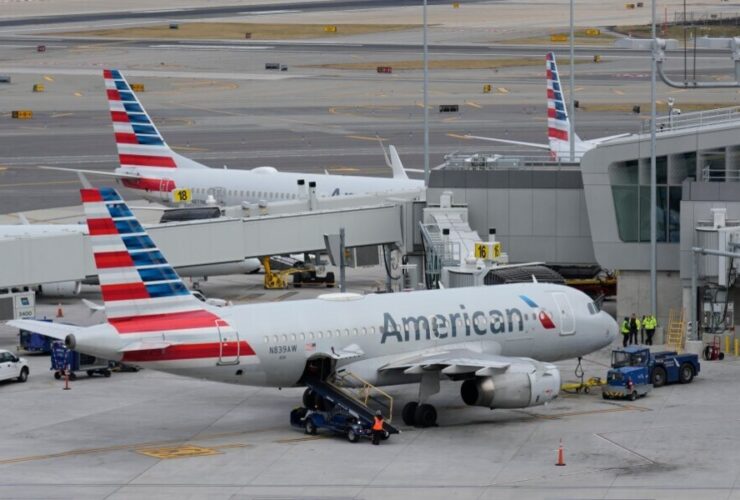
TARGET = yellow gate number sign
(487,251)
(182,195)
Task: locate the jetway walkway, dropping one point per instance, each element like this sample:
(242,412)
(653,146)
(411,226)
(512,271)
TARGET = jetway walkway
(49,258)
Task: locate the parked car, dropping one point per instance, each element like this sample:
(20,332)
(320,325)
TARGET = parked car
(13,367)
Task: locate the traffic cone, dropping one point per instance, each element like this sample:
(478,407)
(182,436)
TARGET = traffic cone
(561,455)
(60,313)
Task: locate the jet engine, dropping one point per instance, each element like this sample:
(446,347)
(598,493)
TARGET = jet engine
(61,289)
(520,386)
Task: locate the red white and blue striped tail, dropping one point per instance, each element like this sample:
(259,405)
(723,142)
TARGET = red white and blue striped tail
(558,123)
(136,281)
(139,143)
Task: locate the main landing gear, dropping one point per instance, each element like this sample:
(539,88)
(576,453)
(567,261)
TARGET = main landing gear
(419,415)
(422,414)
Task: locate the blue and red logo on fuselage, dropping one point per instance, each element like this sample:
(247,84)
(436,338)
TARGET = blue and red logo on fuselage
(542,315)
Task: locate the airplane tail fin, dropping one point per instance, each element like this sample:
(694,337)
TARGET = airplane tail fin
(558,123)
(135,279)
(394,162)
(139,143)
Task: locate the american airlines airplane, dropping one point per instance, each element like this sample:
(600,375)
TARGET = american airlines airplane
(149,165)
(558,123)
(497,341)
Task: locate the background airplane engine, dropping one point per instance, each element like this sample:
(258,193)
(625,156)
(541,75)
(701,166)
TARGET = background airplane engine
(513,390)
(61,289)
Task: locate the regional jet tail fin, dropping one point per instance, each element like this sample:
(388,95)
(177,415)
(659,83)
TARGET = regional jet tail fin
(139,143)
(141,291)
(394,161)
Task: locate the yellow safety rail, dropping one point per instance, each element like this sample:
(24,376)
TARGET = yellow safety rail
(364,393)
(676,334)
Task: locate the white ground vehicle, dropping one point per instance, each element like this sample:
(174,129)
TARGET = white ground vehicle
(13,367)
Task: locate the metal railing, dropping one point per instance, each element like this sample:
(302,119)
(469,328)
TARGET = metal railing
(695,119)
(364,393)
(438,253)
(490,161)
(709,174)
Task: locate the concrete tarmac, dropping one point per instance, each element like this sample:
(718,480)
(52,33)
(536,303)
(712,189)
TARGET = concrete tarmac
(153,435)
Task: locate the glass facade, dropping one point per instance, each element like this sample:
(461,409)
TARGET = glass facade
(632,200)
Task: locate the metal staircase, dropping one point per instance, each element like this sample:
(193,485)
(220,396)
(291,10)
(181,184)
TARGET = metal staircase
(356,396)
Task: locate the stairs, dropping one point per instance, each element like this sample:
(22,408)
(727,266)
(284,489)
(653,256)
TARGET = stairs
(676,332)
(357,397)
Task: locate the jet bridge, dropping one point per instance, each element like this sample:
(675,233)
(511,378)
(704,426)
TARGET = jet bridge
(372,220)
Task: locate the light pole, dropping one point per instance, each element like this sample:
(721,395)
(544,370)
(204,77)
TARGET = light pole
(653,176)
(426,97)
(571,132)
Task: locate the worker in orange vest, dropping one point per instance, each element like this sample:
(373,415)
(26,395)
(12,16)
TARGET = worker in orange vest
(377,427)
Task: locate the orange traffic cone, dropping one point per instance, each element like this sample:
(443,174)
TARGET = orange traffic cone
(60,313)
(561,455)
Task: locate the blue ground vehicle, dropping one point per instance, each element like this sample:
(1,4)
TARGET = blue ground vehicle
(34,342)
(63,359)
(336,420)
(635,371)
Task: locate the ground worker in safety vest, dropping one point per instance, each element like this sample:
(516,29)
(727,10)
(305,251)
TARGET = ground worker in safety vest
(650,325)
(634,328)
(625,329)
(378,427)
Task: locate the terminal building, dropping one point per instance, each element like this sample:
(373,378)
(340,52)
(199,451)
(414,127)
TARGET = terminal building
(598,211)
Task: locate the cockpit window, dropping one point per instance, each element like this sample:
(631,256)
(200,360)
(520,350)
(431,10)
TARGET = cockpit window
(593,307)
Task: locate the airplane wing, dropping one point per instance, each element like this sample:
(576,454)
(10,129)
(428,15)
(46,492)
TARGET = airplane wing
(56,331)
(509,141)
(601,140)
(93,172)
(454,360)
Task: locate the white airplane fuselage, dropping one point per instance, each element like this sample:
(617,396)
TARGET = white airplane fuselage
(277,339)
(263,184)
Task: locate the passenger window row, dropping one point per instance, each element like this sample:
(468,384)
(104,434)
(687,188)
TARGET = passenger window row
(267,195)
(328,334)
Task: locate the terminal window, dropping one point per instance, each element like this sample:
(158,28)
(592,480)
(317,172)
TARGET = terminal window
(630,182)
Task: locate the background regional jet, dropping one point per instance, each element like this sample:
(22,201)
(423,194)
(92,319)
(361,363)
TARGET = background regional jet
(496,341)
(148,164)
(558,123)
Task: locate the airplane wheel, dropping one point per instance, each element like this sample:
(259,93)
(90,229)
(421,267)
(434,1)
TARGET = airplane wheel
(309,398)
(425,416)
(408,414)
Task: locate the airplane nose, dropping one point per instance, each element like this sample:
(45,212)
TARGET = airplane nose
(612,329)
